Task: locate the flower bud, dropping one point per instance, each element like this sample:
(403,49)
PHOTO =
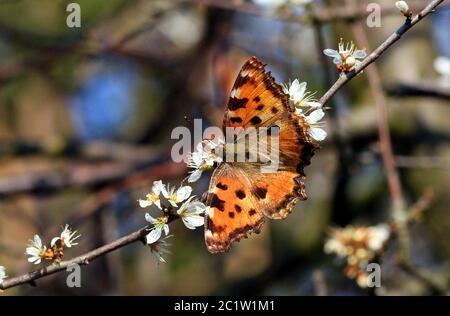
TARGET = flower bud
(404,8)
(350,61)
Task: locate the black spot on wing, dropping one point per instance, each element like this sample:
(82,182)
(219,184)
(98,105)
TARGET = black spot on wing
(216,202)
(260,193)
(255,120)
(235,120)
(222,186)
(240,194)
(236,103)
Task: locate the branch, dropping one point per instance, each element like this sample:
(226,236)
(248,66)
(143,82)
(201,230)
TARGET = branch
(394,37)
(85,259)
(432,89)
(317,14)
(399,213)
(80,260)
(428,162)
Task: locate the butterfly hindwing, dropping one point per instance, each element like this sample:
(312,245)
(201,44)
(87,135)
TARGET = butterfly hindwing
(234,210)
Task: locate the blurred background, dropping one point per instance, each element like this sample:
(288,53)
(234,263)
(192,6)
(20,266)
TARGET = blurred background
(86,115)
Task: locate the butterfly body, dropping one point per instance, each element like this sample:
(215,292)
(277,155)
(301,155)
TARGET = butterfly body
(240,195)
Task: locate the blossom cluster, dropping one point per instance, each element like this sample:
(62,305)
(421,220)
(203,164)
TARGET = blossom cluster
(37,251)
(204,158)
(307,107)
(173,202)
(359,245)
(347,57)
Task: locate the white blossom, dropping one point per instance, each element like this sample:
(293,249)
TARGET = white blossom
(315,130)
(154,196)
(36,250)
(159,226)
(378,235)
(301,98)
(346,57)
(442,66)
(190,212)
(67,237)
(204,158)
(2,274)
(175,196)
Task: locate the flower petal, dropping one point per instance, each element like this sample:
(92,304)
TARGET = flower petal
(193,221)
(157,187)
(183,193)
(195,175)
(54,240)
(153,236)
(37,241)
(337,60)
(359,54)
(315,116)
(166,229)
(314,105)
(317,133)
(150,219)
(331,53)
(297,91)
(158,204)
(144,203)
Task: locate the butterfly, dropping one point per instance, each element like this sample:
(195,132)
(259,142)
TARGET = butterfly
(240,197)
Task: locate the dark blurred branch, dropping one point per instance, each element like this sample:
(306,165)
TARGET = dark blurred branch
(394,37)
(419,90)
(422,162)
(416,211)
(317,14)
(82,173)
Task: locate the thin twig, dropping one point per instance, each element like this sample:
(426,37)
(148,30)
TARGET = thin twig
(399,213)
(394,37)
(84,259)
(80,260)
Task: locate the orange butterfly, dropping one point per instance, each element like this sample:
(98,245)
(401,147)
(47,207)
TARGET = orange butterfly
(239,195)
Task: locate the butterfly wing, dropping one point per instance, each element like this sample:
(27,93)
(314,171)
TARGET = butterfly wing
(233,209)
(256,100)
